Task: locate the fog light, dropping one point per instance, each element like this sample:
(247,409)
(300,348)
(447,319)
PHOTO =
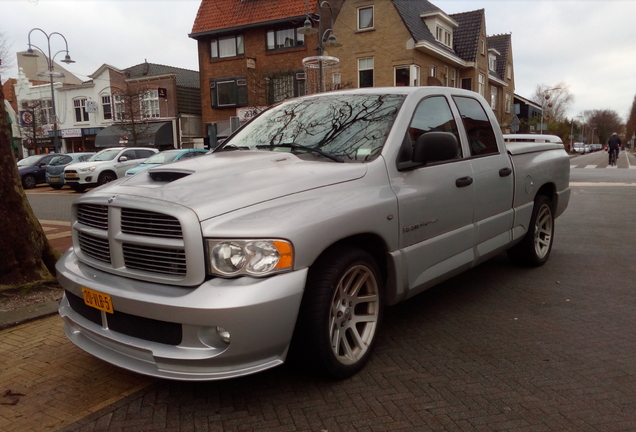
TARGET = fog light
(224,335)
(89,179)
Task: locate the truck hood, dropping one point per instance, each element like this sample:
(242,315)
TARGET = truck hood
(219,183)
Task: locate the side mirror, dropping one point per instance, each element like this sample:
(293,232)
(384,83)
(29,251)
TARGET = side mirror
(122,158)
(435,147)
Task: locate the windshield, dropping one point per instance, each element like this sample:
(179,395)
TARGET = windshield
(349,127)
(30,160)
(106,155)
(162,158)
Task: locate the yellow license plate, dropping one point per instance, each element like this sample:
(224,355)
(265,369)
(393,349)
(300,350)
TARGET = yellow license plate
(70,175)
(55,179)
(98,300)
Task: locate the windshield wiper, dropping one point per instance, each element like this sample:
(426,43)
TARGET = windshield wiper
(294,146)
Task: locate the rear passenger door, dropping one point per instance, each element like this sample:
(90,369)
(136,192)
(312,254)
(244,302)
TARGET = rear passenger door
(494,182)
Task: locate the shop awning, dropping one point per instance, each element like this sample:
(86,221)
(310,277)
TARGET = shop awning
(154,135)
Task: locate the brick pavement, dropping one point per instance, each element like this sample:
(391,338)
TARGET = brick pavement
(498,348)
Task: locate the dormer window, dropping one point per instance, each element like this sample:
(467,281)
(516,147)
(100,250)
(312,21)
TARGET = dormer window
(492,59)
(441,26)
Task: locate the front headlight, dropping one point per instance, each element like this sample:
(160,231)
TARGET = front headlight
(85,170)
(249,257)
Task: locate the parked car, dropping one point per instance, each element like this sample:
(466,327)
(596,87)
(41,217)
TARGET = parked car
(164,157)
(294,234)
(104,167)
(33,169)
(579,147)
(55,168)
(587,148)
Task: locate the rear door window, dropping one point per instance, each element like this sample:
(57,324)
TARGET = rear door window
(481,136)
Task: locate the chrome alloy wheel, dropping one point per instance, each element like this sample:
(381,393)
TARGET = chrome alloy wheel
(543,231)
(355,309)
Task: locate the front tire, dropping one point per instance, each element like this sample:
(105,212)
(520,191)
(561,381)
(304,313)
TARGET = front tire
(340,314)
(106,177)
(534,250)
(29,182)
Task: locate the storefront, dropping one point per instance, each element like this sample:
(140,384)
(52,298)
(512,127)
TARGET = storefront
(159,135)
(79,139)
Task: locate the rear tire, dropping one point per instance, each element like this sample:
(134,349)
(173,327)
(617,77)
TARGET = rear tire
(534,250)
(340,314)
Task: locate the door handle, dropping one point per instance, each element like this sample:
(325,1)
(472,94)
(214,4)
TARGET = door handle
(505,172)
(463,181)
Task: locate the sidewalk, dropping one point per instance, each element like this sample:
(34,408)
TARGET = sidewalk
(59,236)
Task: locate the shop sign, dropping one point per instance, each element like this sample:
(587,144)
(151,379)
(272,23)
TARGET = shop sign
(245,114)
(71,133)
(91,106)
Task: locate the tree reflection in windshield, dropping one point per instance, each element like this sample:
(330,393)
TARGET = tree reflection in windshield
(351,126)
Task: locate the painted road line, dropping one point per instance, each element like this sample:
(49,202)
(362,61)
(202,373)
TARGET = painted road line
(581,184)
(590,166)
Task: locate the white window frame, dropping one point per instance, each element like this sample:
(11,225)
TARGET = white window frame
(365,64)
(482,84)
(482,46)
(107,101)
(453,78)
(80,104)
(274,39)
(224,48)
(508,100)
(414,74)
(445,76)
(492,62)
(46,111)
(372,26)
(494,96)
(509,71)
(149,104)
(433,71)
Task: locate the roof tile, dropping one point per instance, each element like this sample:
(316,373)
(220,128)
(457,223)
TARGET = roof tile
(220,14)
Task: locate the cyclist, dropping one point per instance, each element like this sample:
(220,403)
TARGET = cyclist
(613,146)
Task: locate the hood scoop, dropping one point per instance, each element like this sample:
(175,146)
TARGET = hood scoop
(167,176)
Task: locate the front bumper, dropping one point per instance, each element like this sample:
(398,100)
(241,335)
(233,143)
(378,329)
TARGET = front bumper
(259,314)
(55,179)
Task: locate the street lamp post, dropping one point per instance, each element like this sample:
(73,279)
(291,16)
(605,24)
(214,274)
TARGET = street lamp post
(331,41)
(549,104)
(51,73)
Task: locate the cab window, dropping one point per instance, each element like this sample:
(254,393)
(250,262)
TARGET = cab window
(481,136)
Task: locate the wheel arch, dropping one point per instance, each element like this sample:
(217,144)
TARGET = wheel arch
(107,171)
(549,191)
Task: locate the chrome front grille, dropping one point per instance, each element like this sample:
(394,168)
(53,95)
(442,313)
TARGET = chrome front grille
(140,243)
(93,215)
(155,259)
(94,247)
(143,222)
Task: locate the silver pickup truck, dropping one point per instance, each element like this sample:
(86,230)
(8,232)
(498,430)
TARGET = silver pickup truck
(290,238)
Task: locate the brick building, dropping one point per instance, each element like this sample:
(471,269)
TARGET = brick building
(251,52)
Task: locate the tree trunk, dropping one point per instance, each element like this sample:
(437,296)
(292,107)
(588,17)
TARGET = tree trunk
(26,256)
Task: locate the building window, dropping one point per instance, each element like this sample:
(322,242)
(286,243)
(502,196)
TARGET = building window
(444,36)
(150,104)
(284,86)
(482,46)
(120,108)
(492,62)
(445,76)
(467,83)
(407,75)
(365,18)
(509,72)
(365,72)
(507,107)
(284,38)
(493,97)
(453,78)
(228,92)
(46,112)
(482,85)
(230,46)
(80,110)
(107,107)
(434,71)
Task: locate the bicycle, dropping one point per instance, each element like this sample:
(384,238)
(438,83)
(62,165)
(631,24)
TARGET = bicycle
(613,157)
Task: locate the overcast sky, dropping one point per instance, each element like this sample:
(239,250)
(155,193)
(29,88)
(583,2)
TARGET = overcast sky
(589,45)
